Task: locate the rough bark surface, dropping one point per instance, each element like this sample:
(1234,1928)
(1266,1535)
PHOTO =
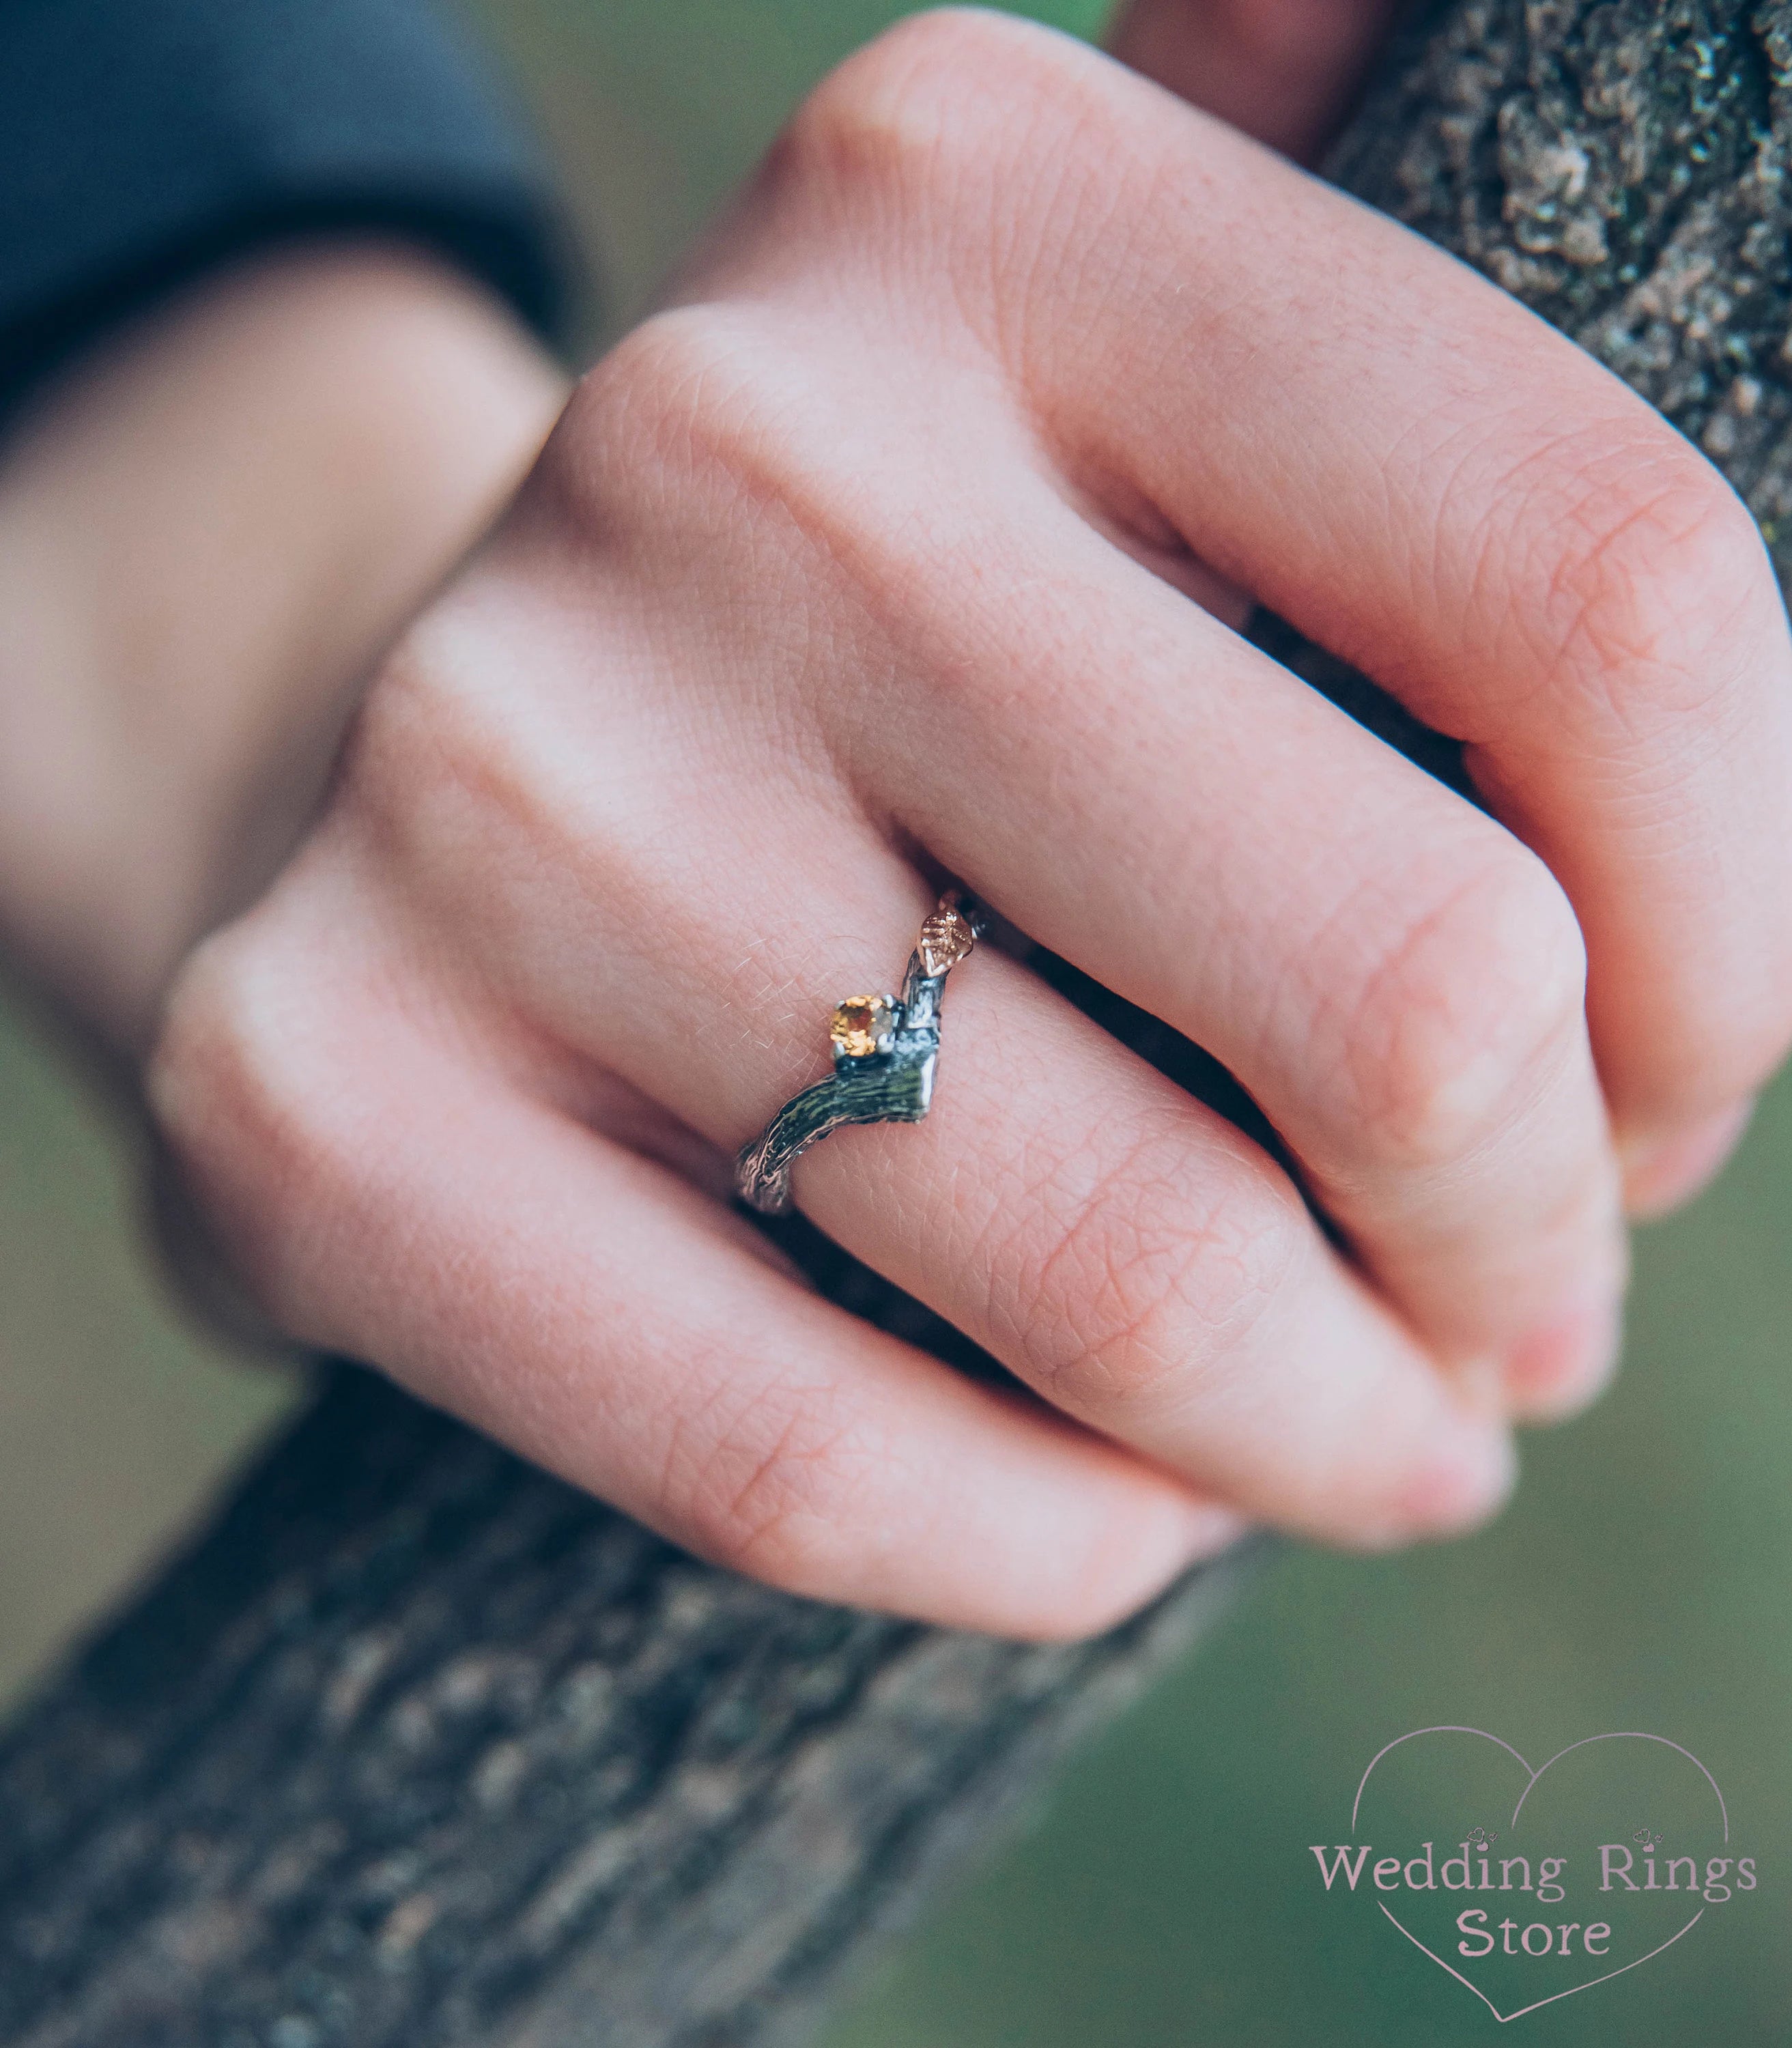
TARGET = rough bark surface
(419,1746)
(1622,167)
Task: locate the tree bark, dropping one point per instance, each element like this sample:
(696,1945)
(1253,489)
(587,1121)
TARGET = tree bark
(420,1746)
(1622,168)
(417,1746)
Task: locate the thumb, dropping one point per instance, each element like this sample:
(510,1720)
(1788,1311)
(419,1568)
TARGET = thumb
(1284,71)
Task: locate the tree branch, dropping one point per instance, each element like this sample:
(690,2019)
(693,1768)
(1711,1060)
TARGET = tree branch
(417,1746)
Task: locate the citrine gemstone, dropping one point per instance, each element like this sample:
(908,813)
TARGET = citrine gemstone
(863,1025)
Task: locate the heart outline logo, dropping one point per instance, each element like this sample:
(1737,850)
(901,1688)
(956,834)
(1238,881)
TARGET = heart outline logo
(1627,1735)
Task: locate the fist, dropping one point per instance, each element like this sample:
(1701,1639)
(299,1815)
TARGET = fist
(910,541)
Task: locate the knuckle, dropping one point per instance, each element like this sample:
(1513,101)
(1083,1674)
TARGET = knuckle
(1660,591)
(878,124)
(226,1104)
(1470,1009)
(230,1099)
(930,104)
(885,115)
(694,393)
(438,774)
(207,1078)
(405,731)
(1138,1291)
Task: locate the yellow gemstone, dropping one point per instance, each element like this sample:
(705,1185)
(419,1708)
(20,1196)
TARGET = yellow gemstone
(863,1025)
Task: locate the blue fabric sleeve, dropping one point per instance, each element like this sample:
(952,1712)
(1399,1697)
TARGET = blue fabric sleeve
(143,141)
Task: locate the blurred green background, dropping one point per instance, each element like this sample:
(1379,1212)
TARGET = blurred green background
(1165,1896)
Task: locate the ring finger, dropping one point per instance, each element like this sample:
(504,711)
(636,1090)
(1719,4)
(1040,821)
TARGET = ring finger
(1120,1246)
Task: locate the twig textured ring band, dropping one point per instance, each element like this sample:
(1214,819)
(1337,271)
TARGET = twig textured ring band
(885,1050)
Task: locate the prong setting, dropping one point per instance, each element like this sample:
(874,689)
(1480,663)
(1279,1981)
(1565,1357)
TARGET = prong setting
(862,1027)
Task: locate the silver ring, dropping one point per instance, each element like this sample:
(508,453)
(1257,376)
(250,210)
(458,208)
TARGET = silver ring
(885,1048)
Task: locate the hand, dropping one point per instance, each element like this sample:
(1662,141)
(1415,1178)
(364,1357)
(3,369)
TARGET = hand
(870,558)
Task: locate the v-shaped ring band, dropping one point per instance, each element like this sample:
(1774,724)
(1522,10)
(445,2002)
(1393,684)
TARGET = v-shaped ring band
(886,1048)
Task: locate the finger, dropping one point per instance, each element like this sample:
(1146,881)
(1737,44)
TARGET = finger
(1443,491)
(1403,460)
(1152,1273)
(1117,1245)
(1283,71)
(1394,978)
(1396,981)
(1143,1266)
(623,1331)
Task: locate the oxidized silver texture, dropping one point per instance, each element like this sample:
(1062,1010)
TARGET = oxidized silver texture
(893,1084)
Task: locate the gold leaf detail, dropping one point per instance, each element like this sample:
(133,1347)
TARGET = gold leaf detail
(945,939)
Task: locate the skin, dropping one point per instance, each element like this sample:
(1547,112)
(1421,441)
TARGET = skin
(211,525)
(910,538)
